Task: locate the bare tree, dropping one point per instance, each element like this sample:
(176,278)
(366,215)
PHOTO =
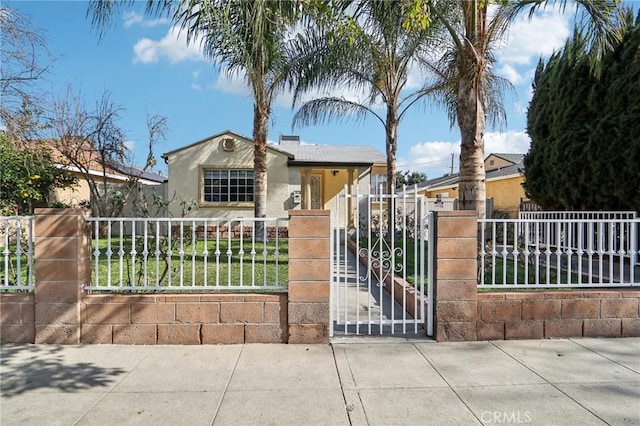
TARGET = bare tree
(91,140)
(25,60)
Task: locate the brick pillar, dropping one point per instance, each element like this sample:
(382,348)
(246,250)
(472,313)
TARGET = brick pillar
(309,276)
(63,264)
(456,287)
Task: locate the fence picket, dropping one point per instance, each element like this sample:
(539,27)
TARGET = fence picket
(560,249)
(181,253)
(17,249)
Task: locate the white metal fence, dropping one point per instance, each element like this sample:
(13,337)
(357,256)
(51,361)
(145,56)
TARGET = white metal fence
(17,247)
(583,215)
(389,291)
(189,254)
(559,252)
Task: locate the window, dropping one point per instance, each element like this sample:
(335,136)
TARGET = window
(378,180)
(227,186)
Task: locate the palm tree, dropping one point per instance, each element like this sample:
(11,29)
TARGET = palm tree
(246,37)
(372,56)
(471,93)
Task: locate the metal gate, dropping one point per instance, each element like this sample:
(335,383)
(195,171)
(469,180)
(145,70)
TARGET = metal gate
(381,259)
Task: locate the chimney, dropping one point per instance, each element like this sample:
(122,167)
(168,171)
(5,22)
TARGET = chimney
(289,140)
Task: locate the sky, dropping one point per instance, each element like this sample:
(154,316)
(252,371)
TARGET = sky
(148,69)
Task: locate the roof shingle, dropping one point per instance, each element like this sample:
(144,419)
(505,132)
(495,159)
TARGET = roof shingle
(335,154)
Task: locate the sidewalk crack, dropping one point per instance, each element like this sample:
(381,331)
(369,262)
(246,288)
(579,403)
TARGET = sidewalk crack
(226,386)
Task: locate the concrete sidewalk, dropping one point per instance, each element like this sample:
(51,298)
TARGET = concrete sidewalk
(375,381)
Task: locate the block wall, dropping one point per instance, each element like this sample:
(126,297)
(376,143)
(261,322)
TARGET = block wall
(455,277)
(60,312)
(17,318)
(309,275)
(184,319)
(556,314)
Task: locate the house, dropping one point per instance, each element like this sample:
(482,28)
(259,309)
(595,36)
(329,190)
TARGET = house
(217,173)
(504,178)
(115,174)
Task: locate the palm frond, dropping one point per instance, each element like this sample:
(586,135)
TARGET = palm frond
(319,111)
(602,22)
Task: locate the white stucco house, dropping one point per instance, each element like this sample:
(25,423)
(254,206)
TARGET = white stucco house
(217,173)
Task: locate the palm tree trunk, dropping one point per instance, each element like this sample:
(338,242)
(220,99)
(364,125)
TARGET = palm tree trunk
(392,147)
(260,129)
(471,120)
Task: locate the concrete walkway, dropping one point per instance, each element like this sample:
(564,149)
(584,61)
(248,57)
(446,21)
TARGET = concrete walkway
(357,299)
(545,382)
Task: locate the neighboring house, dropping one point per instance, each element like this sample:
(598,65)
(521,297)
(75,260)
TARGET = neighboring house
(217,172)
(504,178)
(115,174)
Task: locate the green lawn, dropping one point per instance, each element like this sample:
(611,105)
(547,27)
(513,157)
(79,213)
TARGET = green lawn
(196,269)
(9,271)
(13,266)
(516,275)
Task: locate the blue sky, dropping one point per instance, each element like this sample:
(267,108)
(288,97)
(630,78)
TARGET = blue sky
(148,69)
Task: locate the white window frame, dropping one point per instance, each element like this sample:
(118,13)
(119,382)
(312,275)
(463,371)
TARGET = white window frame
(378,179)
(223,192)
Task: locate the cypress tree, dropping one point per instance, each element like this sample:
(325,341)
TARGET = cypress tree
(585,129)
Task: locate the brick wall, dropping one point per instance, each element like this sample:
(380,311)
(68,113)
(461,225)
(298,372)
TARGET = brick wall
(455,277)
(184,319)
(59,312)
(549,314)
(62,266)
(17,317)
(309,276)
(462,313)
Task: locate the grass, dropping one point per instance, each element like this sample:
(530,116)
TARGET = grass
(196,270)
(517,275)
(9,272)
(513,275)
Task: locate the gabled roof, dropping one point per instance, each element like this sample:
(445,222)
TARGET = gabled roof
(453,179)
(226,132)
(440,181)
(506,171)
(512,158)
(302,154)
(334,154)
(86,158)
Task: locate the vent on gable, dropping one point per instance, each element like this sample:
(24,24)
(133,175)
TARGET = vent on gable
(228,144)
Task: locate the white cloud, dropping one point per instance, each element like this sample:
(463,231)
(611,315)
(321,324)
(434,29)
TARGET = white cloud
(434,157)
(528,39)
(509,72)
(195,85)
(519,109)
(134,18)
(129,145)
(172,47)
(231,83)
(236,84)
(509,142)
